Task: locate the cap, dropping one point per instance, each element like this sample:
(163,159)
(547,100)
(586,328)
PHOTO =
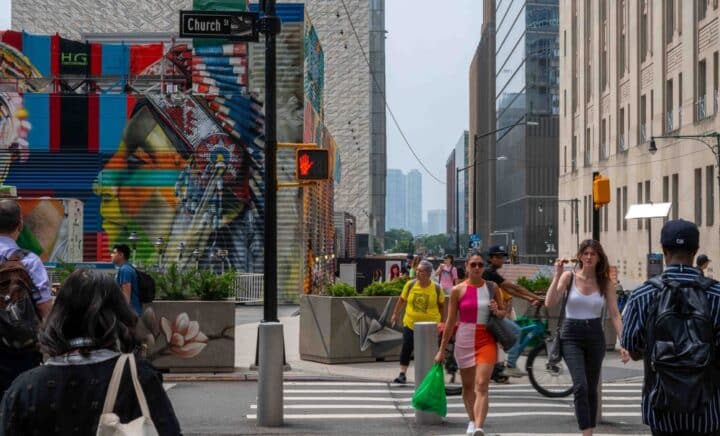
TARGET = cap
(680,234)
(702,259)
(497,249)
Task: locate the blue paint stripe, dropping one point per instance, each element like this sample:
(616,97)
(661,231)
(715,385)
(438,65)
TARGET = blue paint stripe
(38,107)
(115,59)
(139,178)
(288,12)
(37,49)
(112,120)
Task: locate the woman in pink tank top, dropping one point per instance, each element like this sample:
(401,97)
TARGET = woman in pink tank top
(471,303)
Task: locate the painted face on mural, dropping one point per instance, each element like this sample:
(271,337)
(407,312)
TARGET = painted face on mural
(137,185)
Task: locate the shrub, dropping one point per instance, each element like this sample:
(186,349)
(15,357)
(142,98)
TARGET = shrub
(538,284)
(341,289)
(208,285)
(387,289)
(173,284)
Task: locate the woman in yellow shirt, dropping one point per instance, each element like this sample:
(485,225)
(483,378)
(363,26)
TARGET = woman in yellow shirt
(424,301)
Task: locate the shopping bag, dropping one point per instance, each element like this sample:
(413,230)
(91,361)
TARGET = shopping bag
(430,395)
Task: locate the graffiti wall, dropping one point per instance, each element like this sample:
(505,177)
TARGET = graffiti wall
(162,144)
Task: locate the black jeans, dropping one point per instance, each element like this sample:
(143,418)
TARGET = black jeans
(407,346)
(13,364)
(583,348)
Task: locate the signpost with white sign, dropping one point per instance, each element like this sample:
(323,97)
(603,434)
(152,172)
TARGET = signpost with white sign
(237,26)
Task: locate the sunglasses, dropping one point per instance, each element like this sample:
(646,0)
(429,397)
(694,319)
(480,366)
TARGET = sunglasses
(476,265)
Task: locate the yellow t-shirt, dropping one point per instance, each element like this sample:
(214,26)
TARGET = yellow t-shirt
(421,304)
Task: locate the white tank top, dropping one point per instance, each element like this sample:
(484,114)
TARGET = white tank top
(580,306)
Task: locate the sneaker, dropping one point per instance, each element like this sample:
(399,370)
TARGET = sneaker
(471,428)
(513,371)
(479,432)
(400,379)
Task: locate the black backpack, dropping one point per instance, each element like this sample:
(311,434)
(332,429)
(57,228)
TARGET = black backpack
(19,320)
(680,359)
(146,286)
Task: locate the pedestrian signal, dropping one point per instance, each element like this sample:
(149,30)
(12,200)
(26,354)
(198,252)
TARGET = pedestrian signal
(312,164)
(601,191)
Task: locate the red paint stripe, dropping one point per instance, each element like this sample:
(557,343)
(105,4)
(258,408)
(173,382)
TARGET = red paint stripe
(32,193)
(131,101)
(55,109)
(13,38)
(55,55)
(96,59)
(93,122)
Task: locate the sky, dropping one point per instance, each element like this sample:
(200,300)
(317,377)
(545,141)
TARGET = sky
(427,59)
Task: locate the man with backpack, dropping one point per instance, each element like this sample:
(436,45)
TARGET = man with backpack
(25,298)
(126,276)
(671,321)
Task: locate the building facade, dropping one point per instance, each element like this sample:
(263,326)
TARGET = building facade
(395,200)
(435,222)
(631,71)
(413,202)
(450,193)
(461,180)
(481,186)
(526,89)
(353,90)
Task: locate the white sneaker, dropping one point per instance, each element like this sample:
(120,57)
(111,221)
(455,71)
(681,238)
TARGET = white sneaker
(471,428)
(479,432)
(513,371)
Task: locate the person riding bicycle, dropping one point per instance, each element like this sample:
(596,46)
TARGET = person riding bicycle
(496,258)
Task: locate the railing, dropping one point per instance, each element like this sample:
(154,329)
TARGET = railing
(701,111)
(643,133)
(249,287)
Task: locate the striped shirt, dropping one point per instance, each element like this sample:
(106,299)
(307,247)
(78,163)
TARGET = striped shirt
(633,340)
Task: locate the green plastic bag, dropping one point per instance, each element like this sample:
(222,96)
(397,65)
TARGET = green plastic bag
(430,395)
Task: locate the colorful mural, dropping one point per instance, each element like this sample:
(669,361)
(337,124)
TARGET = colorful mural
(179,171)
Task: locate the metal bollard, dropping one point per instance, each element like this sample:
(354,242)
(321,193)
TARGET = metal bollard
(270,375)
(426,346)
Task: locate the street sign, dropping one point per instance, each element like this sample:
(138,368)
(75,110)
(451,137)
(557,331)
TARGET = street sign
(475,241)
(312,164)
(237,26)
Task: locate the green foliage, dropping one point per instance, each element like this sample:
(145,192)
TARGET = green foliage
(211,286)
(340,289)
(537,284)
(63,270)
(173,284)
(387,289)
(399,241)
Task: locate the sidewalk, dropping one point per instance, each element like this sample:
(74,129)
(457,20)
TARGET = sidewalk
(246,335)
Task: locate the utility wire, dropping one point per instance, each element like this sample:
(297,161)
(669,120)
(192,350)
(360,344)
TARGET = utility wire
(387,106)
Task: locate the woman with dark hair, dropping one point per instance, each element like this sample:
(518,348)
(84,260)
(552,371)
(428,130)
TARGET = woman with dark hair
(583,293)
(90,325)
(394,271)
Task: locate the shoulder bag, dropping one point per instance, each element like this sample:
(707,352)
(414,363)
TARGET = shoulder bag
(109,424)
(502,329)
(552,343)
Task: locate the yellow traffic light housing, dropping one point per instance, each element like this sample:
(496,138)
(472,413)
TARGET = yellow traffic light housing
(601,191)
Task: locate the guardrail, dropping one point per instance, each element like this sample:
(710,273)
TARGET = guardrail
(249,288)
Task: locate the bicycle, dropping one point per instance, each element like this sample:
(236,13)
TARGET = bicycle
(550,380)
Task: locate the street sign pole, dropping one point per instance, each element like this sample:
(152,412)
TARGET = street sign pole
(271,343)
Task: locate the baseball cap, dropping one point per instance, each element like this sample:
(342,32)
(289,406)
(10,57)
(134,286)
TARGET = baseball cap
(702,260)
(497,249)
(680,234)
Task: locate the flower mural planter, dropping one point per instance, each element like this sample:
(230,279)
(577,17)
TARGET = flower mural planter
(348,329)
(190,336)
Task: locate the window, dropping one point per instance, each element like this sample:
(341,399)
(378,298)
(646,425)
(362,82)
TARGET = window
(643,30)
(603,139)
(715,82)
(680,101)
(669,20)
(698,196)
(565,43)
(622,39)
(701,9)
(710,195)
(585,217)
(701,90)
(573,154)
(565,158)
(647,200)
(640,201)
(618,209)
(621,130)
(669,105)
(665,193)
(675,196)
(624,205)
(603,46)
(588,147)
(605,219)
(565,102)
(643,124)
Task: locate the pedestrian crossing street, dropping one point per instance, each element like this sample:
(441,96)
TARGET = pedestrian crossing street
(309,400)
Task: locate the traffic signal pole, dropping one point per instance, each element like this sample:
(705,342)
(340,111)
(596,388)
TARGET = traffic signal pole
(271,343)
(595,214)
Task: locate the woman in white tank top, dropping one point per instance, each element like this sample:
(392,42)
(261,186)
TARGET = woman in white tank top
(584,292)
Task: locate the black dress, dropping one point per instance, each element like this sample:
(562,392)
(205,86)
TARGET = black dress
(68,400)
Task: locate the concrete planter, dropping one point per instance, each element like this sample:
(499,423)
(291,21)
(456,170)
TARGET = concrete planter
(190,336)
(348,329)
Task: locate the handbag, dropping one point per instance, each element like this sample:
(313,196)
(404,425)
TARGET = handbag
(503,330)
(552,343)
(109,424)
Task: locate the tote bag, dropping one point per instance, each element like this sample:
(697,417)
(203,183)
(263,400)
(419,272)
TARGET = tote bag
(109,424)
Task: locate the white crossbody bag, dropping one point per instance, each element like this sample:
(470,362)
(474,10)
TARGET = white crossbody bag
(109,424)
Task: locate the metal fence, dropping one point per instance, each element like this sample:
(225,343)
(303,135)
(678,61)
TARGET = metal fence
(249,288)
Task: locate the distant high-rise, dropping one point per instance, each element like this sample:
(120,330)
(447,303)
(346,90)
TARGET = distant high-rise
(413,202)
(435,222)
(395,200)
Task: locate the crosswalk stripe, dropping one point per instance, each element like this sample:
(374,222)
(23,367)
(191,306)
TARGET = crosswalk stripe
(410,392)
(450,406)
(449,415)
(409,398)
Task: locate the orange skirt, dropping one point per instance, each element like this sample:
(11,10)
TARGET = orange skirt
(474,345)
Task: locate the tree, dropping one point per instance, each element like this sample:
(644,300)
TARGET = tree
(399,241)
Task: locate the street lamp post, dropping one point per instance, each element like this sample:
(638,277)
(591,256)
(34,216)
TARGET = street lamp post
(458,170)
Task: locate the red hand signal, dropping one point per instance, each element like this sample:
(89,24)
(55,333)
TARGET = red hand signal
(305,165)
